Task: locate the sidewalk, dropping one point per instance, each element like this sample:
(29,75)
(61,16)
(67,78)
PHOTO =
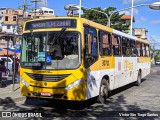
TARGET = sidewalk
(8,95)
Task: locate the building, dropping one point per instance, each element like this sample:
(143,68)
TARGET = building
(11,21)
(126,19)
(42,12)
(141,33)
(46,11)
(2,11)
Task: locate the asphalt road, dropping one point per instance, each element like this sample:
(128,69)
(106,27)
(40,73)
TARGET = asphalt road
(129,101)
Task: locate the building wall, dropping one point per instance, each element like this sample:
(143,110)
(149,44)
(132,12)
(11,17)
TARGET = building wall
(2,11)
(140,32)
(10,17)
(9,28)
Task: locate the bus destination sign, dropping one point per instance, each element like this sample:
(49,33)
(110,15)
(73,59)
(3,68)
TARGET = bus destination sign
(53,23)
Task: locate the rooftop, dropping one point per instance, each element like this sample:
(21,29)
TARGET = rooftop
(127,17)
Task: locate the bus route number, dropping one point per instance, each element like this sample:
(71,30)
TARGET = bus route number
(105,62)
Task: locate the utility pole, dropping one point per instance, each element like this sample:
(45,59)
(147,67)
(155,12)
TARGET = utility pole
(14,60)
(45,3)
(35,6)
(24,9)
(153,48)
(154,43)
(24,6)
(131,18)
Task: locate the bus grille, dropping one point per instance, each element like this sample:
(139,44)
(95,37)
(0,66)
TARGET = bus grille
(51,78)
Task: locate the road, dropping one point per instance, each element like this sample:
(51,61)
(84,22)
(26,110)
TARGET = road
(129,100)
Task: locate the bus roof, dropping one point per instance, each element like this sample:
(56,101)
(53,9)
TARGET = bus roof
(96,25)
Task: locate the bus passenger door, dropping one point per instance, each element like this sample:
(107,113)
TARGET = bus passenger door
(90,61)
(119,77)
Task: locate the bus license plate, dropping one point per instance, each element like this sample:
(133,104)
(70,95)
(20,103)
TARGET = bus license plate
(45,94)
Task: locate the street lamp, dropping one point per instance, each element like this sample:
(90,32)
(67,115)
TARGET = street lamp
(77,7)
(155,6)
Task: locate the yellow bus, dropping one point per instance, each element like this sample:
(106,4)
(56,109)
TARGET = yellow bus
(70,58)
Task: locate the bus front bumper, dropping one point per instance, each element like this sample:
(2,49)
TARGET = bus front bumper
(77,93)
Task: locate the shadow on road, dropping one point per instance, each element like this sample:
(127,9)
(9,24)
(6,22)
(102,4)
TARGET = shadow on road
(82,110)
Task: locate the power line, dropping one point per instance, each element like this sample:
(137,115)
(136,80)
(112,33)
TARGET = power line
(35,6)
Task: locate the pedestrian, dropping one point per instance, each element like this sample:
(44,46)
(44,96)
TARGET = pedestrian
(3,68)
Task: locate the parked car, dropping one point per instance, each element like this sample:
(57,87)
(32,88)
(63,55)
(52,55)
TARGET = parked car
(158,62)
(10,61)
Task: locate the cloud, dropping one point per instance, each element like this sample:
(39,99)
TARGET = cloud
(135,1)
(128,12)
(142,19)
(155,22)
(135,11)
(125,12)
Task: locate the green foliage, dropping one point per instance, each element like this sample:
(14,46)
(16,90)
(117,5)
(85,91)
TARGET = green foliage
(101,18)
(157,55)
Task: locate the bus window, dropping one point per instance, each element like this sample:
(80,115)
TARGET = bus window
(138,48)
(143,49)
(133,49)
(126,47)
(91,46)
(116,45)
(147,51)
(105,43)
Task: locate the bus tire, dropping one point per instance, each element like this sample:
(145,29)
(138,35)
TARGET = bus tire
(139,77)
(103,92)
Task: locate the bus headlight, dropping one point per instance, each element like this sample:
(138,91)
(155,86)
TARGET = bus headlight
(24,82)
(74,84)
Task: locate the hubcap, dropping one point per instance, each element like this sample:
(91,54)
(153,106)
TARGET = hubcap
(104,92)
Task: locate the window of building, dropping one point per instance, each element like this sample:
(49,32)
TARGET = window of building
(105,43)
(45,11)
(116,45)
(6,18)
(8,26)
(29,16)
(50,11)
(14,18)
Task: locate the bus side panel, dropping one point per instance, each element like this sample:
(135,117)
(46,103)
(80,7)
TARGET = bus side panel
(100,69)
(144,64)
(119,72)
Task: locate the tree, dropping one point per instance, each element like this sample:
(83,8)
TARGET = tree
(116,22)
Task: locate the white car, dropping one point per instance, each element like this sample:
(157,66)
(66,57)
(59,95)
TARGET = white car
(10,61)
(158,62)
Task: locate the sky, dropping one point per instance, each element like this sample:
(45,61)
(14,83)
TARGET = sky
(144,16)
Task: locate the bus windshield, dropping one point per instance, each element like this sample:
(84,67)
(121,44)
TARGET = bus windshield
(51,50)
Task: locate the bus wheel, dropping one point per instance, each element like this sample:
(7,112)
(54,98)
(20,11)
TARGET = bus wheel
(103,92)
(139,77)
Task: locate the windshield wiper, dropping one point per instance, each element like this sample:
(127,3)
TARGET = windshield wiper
(56,36)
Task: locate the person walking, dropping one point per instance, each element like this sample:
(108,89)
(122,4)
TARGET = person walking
(3,68)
